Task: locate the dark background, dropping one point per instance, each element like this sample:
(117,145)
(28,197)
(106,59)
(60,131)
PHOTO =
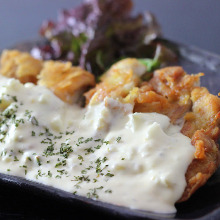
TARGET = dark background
(193,22)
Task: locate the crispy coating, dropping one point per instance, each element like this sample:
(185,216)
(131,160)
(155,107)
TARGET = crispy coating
(176,94)
(168,93)
(20,65)
(148,100)
(119,82)
(204,164)
(174,84)
(67,82)
(202,125)
(204,114)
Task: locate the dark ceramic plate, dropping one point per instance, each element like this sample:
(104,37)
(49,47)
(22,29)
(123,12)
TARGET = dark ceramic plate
(22,199)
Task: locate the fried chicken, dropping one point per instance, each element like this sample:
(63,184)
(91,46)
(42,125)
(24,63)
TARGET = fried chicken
(174,93)
(202,125)
(121,82)
(67,82)
(168,92)
(20,65)
(171,91)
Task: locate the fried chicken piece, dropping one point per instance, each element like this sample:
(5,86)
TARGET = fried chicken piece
(66,81)
(176,94)
(173,93)
(150,101)
(202,125)
(174,84)
(20,65)
(119,82)
(204,115)
(168,93)
(204,164)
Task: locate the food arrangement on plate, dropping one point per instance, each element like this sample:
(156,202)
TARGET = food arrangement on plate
(95,109)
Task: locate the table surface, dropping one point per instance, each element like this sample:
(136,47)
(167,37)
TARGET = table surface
(191,22)
(194,22)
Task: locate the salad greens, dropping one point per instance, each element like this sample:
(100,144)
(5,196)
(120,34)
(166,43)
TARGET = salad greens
(98,33)
(151,64)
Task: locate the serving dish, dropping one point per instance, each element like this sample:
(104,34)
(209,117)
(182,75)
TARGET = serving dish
(22,198)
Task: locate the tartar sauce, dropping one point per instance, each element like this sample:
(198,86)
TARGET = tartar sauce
(104,152)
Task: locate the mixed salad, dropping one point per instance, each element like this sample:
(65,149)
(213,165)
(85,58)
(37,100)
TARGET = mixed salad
(98,33)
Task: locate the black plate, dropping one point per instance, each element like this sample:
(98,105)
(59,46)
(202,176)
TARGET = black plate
(23,199)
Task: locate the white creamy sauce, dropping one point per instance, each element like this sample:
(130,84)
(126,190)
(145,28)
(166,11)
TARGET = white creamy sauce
(103,152)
